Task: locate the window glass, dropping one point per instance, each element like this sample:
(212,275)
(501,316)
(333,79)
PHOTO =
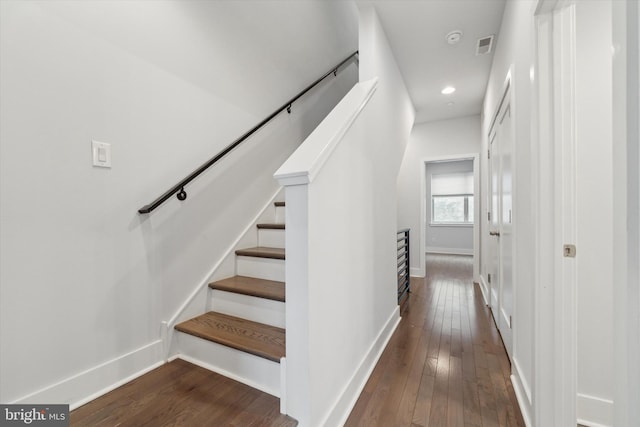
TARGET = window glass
(452,198)
(448,209)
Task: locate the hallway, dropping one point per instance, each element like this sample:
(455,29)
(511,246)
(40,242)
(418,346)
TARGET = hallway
(445,365)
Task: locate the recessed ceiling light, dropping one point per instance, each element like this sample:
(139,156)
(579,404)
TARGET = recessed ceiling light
(454,37)
(448,90)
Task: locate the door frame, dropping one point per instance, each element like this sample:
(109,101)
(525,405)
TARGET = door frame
(476,207)
(507,98)
(554,171)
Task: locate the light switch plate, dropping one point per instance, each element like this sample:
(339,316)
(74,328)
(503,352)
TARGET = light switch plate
(101,154)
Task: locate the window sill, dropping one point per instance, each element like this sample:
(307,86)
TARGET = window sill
(452,224)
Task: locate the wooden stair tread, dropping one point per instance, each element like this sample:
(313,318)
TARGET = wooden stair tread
(273,226)
(261,288)
(262,252)
(244,335)
(279,204)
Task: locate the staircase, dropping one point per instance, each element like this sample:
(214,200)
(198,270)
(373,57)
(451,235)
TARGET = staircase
(242,335)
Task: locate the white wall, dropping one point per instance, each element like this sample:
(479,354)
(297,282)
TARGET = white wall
(84,279)
(448,239)
(626,199)
(514,50)
(432,140)
(594,226)
(594,220)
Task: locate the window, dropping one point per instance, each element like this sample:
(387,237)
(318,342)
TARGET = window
(452,198)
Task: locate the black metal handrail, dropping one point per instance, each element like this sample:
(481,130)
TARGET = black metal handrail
(178,189)
(404,270)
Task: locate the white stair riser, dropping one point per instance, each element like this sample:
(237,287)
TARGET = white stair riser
(271,238)
(247,307)
(262,268)
(254,371)
(280,216)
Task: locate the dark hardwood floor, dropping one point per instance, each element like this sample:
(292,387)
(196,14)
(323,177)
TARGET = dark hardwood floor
(445,365)
(182,394)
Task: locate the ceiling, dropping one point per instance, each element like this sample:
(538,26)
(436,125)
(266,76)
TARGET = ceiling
(416,31)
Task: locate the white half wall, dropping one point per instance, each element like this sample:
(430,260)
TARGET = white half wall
(161,82)
(341,256)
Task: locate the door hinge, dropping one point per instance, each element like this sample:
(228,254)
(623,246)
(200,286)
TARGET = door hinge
(489,277)
(510,322)
(569,251)
(488,216)
(488,154)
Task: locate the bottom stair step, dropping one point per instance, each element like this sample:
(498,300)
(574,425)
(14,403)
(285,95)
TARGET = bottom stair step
(252,337)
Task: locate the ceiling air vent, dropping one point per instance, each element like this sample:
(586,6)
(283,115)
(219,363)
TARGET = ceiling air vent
(485,45)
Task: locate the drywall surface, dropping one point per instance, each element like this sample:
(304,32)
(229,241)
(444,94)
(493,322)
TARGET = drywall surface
(455,239)
(86,280)
(429,141)
(594,227)
(626,211)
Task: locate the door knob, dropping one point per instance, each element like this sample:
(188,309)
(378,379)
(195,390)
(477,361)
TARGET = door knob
(494,233)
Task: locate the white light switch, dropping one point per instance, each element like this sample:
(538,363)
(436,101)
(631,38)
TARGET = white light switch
(101,154)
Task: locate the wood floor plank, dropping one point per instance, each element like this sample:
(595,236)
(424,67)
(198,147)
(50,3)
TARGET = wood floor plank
(458,372)
(181,394)
(445,365)
(472,413)
(422,410)
(406,407)
(455,409)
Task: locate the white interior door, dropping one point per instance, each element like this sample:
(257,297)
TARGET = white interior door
(500,267)
(506,230)
(493,269)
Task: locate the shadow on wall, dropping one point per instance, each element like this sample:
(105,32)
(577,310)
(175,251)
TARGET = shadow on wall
(184,239)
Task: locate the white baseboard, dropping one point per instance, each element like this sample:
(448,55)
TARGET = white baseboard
(485,290)
(449,251)
(523,381)
(347,399)
(94,382)
(594,411)
(521,396)
(416,272)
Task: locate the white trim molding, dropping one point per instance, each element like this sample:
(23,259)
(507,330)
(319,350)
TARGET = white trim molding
(594,411)
(92,383)
(347,399)
(553,164)
(525,406)
(485,290)
(305,163)
(449,251)
(424,203)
